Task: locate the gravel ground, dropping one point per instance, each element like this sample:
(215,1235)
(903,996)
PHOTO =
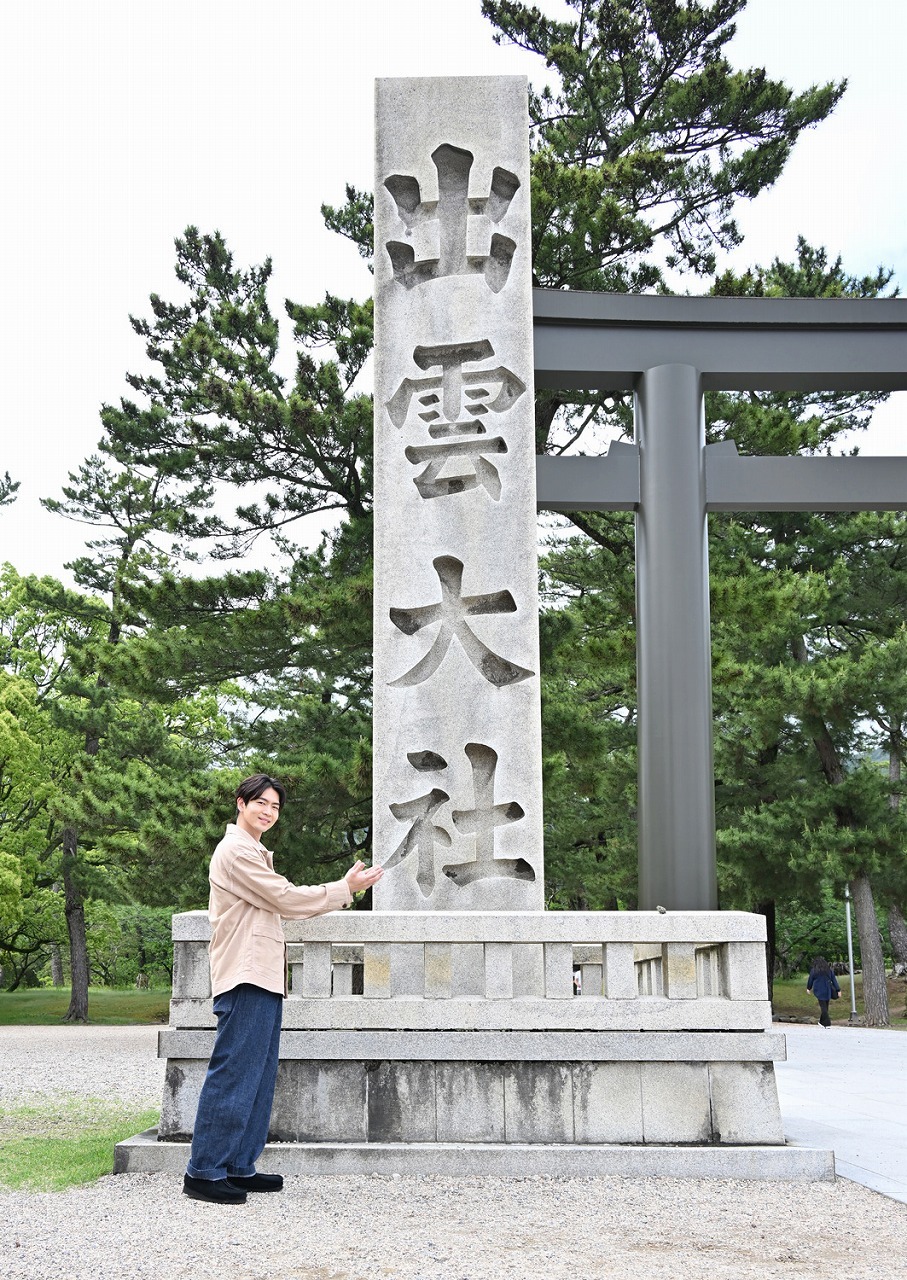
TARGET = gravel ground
(414,1228)
(38,1063)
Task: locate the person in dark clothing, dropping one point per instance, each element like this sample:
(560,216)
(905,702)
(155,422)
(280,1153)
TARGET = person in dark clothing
(824,986)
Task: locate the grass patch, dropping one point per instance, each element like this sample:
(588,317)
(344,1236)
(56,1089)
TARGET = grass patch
(48,1005)
(791,999)
(64,1143)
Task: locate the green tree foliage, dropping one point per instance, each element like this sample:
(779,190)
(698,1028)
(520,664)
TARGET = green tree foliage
(35,756)
(641,150)
(125,756)
(648,138)
(807,615)
(176,684)
(8,488)
(295,642)
(216,409)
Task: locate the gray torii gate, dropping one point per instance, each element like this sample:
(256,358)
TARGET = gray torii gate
(669,351)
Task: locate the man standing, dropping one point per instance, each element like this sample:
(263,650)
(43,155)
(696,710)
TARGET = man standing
(248,983)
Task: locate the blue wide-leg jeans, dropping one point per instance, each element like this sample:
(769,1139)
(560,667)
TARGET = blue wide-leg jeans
(234,1109)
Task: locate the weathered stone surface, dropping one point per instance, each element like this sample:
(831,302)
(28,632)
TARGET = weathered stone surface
(528,970)
(538,1102)
(504,1046)
(577,927)
(407,969)
(182,1085)
(646,1013)
(286,1111)
(558,971)
(438,971)
(498,971)
(191,971)
(457,744)
(191,926)
(745,1102)
(679,971)
(675,1102)
(331,1103)
(619,979)
(470,1101)
(143,1154)
(591,981)
(401,1102)
(743,971)
(316,971)
(342,984)
(467,967)
(607,1102)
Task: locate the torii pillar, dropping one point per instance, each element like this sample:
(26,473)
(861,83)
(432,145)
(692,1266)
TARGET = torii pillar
(669,351)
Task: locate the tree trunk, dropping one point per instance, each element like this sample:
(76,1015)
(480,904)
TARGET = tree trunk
(767,909)
(56,965)
(897,929)
(875,989)
(75,923)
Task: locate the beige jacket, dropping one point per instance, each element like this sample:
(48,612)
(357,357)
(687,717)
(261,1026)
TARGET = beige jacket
(247,900)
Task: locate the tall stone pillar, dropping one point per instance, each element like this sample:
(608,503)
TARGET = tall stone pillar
(457,741)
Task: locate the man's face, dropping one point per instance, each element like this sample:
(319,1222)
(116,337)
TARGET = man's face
(259,815)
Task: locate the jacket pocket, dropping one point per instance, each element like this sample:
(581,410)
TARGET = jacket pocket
(268,953)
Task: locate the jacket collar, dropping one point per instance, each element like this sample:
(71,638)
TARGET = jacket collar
(236,832)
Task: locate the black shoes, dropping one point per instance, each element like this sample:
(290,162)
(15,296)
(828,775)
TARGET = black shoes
(218,1191)
(230,1190)
(258,1182)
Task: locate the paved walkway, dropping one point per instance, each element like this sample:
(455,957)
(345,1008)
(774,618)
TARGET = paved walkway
(844,1088)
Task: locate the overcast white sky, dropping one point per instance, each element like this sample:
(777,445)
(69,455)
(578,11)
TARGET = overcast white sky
(124,121)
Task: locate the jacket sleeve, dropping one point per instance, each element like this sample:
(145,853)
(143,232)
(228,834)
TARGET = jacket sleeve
(253,881)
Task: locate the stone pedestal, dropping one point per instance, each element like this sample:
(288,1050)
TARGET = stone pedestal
(568,1042)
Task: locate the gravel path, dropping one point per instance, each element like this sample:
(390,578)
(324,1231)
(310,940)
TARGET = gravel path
(37,1063)
(414,1228)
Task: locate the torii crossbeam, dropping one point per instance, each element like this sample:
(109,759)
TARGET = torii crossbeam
(669,351)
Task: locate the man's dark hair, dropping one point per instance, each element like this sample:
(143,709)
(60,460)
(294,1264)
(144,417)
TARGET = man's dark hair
(257,785)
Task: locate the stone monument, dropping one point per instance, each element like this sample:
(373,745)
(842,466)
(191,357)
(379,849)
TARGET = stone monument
(460,1027)
(457,739)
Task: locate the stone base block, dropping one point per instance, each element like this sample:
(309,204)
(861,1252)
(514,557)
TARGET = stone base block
(789,1163)
(336,1101)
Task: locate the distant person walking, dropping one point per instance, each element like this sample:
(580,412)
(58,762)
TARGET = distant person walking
(824,986)
(248,983)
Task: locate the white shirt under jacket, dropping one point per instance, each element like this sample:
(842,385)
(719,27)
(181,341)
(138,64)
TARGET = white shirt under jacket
(248,898)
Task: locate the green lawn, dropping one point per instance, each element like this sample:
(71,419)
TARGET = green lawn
(112,1008)
(791,999)
(61,1144)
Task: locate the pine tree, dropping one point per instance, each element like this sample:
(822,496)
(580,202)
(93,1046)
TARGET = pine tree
(142,519)
(8,488)
(808,632)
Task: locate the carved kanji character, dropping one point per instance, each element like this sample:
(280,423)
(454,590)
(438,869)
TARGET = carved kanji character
(425,835)
(482,821)
(477,393)
(452,611)
(451,212)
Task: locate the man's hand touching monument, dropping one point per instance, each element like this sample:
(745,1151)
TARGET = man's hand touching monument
(361,877)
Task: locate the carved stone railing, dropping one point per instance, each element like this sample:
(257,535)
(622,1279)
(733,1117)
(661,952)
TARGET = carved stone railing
(440,971)
(472,1028)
